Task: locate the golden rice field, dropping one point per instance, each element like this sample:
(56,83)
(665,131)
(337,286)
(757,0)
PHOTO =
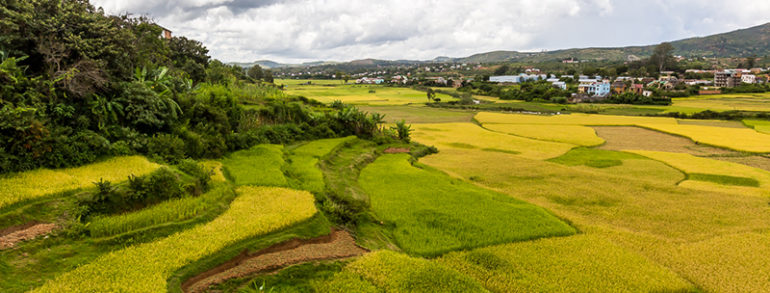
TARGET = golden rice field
(472,136)
(571,119)
(145,267)
(639,205)
(572,134)
(360,94)
(34,184)
(739,139)
(560,264)
(388,271)
(727,102)
(697,165)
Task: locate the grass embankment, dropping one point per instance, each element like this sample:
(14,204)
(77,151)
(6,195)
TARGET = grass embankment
(259,165)
(35,184)
(174,210)
(303,168)
(146,267)
(431,213)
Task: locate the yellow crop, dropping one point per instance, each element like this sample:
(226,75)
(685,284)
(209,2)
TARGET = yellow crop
(571,119)
(471,136)
(740,139)
(691,164)
(573,134)
(145,267)
(580,263)
(215,166)
(394,272)
(38,183)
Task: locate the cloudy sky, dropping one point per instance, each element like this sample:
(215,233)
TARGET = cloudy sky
(292,31)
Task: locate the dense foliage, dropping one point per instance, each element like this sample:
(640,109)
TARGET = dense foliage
(77,85)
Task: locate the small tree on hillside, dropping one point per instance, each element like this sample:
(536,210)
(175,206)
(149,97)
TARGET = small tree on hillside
(431,95)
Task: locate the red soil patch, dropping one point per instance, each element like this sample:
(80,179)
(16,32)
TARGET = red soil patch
(11,236)
(396,150)
(337,245)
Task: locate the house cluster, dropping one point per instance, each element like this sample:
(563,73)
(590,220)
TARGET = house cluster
(735,77)
(370,80)
(517,78)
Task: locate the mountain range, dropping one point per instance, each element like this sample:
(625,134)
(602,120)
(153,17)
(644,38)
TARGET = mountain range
(753,41)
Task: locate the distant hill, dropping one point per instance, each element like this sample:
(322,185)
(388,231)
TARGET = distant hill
(740,43)
(753,41)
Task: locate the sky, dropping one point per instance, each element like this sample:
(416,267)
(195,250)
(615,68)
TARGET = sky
(295,31)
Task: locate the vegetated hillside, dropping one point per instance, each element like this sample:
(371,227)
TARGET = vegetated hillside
(740,43)
(753,41)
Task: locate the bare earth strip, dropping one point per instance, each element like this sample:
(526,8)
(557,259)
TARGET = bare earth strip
(620,138)
(25,232)
(337,245)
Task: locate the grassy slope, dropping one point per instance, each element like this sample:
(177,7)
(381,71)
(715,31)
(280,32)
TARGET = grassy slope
(432,214)
(258,210)
(259,165)
(303,160)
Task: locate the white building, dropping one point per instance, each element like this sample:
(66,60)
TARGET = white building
(505,78)
(748,78)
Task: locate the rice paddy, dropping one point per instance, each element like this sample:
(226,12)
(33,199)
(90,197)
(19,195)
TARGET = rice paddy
(471,136)
(260,165)
(256,211)
(38,183)
(330,91)
(433,214)
(560,265)
(510,203)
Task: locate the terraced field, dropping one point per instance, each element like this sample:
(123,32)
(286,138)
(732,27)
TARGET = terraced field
(330,91)
(434,214)
(33,184)
(257,210)
(509,203)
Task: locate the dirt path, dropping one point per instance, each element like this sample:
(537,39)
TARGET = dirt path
(9,237)
(338,244)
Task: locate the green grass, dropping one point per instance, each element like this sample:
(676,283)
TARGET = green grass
(724,179)
(594,158)
(303,168)
(420,114)
(169,211)
(259,165)
(431,213)
(297,278)
(387,271)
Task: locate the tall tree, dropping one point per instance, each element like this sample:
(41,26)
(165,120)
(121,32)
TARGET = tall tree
(255,72)
(662,56)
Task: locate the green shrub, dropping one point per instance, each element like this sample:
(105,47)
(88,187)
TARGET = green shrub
(166,147)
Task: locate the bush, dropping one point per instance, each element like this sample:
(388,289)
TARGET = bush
(166,147)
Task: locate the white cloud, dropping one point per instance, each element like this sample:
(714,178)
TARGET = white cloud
(306,30)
